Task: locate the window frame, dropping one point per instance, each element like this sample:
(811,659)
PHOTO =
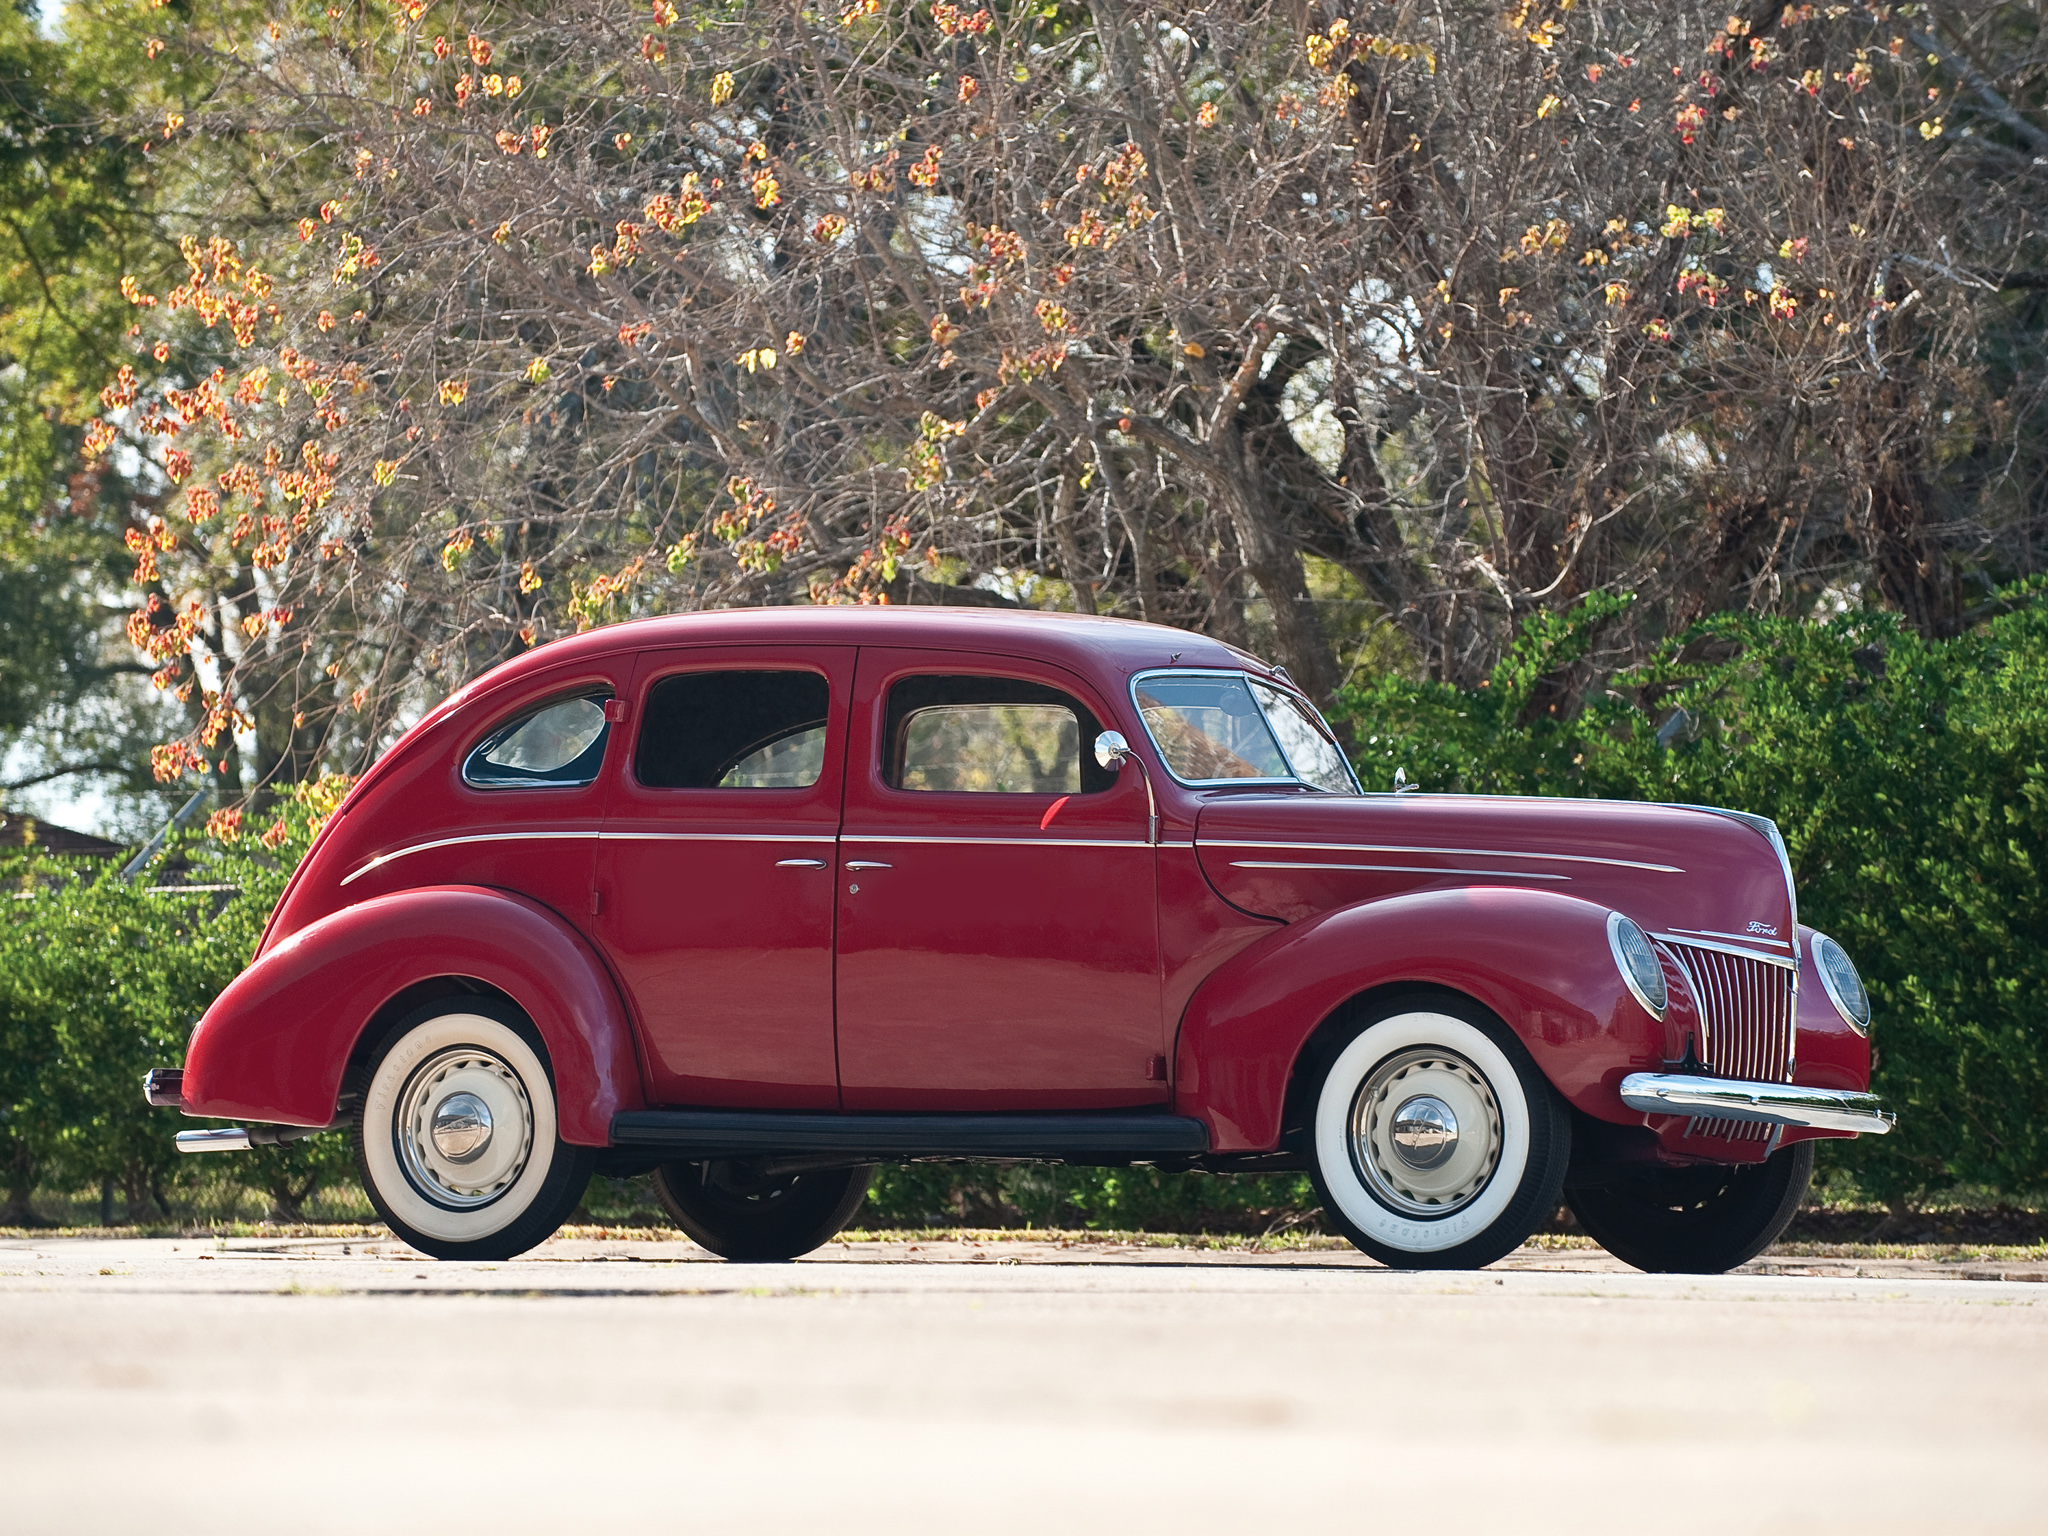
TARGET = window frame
(1247,678)
(601,694)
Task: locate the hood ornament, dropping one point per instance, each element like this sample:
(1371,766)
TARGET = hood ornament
(1401,784)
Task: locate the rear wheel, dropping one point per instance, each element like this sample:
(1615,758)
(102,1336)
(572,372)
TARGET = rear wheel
(1696,1221)
(457,1143)
(731,1209)
(1436,1142)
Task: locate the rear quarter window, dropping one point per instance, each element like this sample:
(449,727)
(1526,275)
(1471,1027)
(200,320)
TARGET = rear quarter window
(560,745)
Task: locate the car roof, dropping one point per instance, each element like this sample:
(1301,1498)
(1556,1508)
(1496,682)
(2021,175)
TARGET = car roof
(1083,642)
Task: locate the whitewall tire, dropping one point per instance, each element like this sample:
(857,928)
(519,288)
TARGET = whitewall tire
(457,1143)
(1436,1143)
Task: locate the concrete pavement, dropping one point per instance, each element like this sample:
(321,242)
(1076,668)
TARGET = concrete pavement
(188,1385)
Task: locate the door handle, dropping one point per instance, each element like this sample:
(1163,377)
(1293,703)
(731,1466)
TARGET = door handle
(866,864)
(799,863)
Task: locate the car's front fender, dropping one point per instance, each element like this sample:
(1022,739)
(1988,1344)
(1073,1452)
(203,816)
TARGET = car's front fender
(275,1044)
(1538,959)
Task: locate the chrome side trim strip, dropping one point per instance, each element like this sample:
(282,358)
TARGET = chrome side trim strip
(1468,853)
(449,842)
(739,837)
(1781,961)
(711,837)
(1399,869)
(1007,842)
(1828,1109)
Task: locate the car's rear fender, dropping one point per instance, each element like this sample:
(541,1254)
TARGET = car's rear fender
(276,1044)
(1537,959)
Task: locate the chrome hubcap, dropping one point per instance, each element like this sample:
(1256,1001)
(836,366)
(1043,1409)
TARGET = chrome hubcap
(464,1128)
(1425,1132)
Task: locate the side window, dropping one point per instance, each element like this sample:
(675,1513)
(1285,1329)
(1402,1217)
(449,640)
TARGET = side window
(734,730)
(989,735)
(558,746)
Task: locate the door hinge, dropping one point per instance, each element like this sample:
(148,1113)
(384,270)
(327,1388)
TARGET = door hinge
(1155,1069)
(596,901)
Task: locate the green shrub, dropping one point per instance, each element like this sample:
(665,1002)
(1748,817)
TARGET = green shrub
(102,979)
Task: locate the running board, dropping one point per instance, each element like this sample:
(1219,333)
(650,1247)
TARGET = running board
(708,1133)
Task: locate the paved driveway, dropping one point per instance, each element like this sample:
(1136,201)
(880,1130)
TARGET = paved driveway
(172,1386)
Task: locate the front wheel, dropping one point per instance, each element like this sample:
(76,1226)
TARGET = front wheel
(1436,1142)
(1696,1221)
(730,1208)
(457,1145)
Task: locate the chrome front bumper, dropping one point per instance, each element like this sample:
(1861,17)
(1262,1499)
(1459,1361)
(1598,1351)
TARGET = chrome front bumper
(1720,1098)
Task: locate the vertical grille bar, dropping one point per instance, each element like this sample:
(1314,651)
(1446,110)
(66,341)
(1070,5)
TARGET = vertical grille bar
(1745,1013)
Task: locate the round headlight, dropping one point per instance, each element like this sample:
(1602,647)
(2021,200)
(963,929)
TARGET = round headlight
(1638,963)
(1844,987)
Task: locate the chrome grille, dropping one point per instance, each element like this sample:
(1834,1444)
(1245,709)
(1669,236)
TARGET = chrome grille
(1745,1013)
(1728,1130)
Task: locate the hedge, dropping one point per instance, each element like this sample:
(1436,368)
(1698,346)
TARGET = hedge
(102,979)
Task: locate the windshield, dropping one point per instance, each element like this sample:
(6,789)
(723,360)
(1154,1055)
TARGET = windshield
(1306,741)
(1209,727)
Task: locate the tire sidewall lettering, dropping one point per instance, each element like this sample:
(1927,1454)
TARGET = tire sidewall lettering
(380,1102)
(1341,1083)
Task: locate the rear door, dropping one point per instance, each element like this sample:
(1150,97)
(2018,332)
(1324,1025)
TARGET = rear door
(715,872)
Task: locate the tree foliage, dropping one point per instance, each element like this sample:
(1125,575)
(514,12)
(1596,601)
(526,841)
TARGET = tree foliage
(82,202)
(1470,311)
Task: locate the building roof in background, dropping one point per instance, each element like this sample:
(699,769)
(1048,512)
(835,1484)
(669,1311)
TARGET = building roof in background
(18,830)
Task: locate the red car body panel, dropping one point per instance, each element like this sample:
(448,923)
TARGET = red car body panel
(721,942)
(1537,958)
(709,948)
(994,959)
(274,1045)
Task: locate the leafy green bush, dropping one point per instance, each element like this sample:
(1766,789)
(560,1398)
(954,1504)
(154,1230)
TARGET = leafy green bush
(101,979)
(1908,778)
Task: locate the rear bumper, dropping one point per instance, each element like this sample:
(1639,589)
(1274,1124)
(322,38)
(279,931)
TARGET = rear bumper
(1720,1098)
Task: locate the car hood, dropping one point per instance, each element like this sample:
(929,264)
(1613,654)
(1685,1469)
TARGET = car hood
(1694,873)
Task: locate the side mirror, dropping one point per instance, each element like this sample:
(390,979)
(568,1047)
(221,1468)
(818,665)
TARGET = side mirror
(1112,752)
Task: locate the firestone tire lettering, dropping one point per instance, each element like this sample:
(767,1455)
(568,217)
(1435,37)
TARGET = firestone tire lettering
(1528,1174)
(530,1207)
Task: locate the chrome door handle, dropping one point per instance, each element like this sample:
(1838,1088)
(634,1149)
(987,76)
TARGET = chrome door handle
(799,863)
(866,864)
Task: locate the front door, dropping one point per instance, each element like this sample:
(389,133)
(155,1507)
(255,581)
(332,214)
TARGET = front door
(715,872)
(998,942)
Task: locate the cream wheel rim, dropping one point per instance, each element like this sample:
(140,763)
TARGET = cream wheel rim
(1426,1132)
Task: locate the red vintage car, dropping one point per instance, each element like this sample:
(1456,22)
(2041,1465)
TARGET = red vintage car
(752,901)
